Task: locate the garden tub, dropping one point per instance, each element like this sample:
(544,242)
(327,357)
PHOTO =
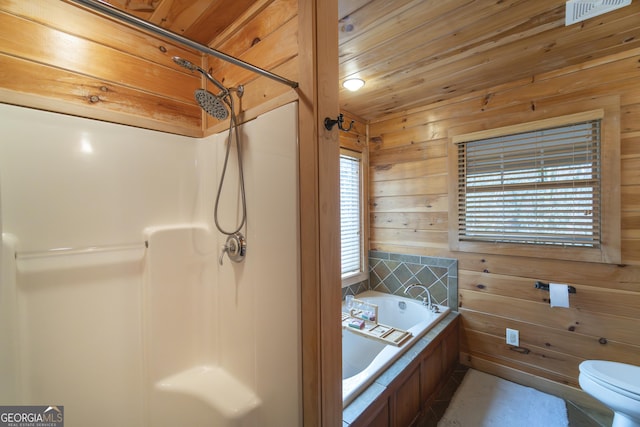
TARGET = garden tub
(365,358)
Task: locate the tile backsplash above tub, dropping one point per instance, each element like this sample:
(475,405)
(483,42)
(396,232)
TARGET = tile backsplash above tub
(392,273)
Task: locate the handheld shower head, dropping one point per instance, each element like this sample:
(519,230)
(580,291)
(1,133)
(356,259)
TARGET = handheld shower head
(212,104)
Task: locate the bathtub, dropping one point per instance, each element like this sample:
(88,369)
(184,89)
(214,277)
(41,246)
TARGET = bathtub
(364,359)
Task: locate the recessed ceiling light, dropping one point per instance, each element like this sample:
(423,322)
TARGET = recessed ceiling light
(353,84)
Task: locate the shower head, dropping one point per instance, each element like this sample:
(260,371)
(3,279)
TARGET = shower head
(212,104)
(193,67)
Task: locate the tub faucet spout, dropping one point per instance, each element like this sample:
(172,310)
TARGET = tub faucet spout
(425,301)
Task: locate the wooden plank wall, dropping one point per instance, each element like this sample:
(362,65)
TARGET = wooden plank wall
(59,57)
(408,209)
(267,37)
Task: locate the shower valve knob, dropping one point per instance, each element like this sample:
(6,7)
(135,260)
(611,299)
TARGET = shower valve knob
(235,248)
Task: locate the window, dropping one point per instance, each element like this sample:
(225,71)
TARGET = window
(534,189)
(539,187)
(351,215)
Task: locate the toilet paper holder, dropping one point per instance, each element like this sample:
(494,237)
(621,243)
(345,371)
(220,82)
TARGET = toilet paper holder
(545,287)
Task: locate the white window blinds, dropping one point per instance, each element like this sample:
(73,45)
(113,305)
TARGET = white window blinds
(538,187)
(350,214)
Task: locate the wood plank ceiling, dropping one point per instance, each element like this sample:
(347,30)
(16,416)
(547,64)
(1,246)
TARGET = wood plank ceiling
(417,52)
(199,20)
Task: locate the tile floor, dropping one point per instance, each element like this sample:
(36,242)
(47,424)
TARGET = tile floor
(578,416)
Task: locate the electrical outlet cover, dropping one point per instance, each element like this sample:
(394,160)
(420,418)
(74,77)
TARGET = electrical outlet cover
(513,337)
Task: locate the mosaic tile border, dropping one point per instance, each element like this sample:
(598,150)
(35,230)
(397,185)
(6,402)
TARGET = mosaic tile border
(356,288)
(392,272)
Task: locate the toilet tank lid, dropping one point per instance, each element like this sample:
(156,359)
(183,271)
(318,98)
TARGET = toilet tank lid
(621,375)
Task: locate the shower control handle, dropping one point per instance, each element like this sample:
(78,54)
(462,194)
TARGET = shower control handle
(235,248)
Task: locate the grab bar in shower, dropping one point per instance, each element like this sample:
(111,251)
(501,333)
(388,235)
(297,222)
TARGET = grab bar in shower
(66,258)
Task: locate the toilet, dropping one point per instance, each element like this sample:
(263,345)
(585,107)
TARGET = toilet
(616,385)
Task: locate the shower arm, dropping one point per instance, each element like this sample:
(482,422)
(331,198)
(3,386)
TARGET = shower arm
(209,77)
(107,9)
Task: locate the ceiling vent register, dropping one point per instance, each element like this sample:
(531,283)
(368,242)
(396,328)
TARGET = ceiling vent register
(580,10)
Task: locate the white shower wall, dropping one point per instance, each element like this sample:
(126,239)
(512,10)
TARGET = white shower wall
(68,182)
(260,297)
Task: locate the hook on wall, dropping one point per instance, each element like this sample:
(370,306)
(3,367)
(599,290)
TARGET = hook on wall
(330,123)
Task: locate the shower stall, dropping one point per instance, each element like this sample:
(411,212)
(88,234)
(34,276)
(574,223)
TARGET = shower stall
(113,300)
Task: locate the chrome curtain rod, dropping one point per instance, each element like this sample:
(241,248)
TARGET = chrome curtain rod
(107,9)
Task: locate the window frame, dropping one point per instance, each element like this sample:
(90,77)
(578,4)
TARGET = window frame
(609,249)
(362,274)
